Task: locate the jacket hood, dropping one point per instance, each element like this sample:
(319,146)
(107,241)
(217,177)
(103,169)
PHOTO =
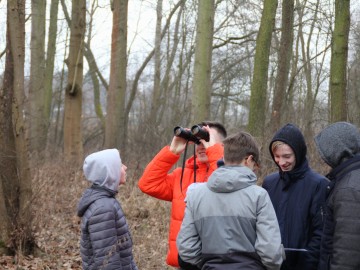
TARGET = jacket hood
(103,168)
(338,142)
(90,195)
(292,136)
(231,178)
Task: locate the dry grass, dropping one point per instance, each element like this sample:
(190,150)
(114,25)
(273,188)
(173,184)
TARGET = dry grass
(57,189)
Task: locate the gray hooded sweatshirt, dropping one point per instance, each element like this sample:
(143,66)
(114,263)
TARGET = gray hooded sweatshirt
(230,223)
(105,237)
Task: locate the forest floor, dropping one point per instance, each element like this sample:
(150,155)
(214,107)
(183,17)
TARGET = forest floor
(57,190)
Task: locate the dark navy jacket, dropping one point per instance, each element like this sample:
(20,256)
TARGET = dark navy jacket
(298,197)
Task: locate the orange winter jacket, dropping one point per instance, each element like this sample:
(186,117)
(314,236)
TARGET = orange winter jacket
(159,183)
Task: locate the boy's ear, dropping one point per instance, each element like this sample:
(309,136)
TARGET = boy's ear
(248,160)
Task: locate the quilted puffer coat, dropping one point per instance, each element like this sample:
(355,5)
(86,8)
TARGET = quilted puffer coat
(105,237)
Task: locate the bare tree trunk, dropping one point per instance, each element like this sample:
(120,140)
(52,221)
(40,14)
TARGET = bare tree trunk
(261,66)
(168,86)
(155,102)
(93,69)
(308,70)
(59,103)
(134,86)
(202,67)
(14,166)
(338,65)
(50,59)
(284,58)
(115,129)
(38,123)
(73,148)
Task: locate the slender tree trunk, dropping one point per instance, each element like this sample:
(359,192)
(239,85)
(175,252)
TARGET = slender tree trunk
(203,56)
(338,65)
(50,59)
(38,123)
(261,66)
(168,84)
(155,102)
(309,71)
(284,58)
(134,86)
(73,148)
(14,160)
(116,126)
(93,70)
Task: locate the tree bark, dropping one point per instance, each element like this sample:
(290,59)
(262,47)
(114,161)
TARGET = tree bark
(38,122)
(259,84)
(14,160)
(50,59)
(73,148)
(115,128)
(284,58)
(155,102)
(202,68)
(338,65)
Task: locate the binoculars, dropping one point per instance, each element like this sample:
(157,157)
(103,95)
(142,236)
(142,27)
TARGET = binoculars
(195,135)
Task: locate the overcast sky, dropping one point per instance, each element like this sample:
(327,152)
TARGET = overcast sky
(141,23)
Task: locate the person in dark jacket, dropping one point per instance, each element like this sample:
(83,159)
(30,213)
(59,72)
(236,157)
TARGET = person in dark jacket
(105,237)
(298,195)
(339,146)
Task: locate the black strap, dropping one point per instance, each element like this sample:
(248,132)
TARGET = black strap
(183,165)
(194,165)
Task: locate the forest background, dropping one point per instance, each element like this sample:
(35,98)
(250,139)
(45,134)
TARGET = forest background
(80,76)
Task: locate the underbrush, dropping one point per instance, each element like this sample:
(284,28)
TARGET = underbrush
(57,187)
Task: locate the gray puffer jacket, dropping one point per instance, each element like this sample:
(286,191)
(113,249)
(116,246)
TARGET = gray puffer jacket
(105,237)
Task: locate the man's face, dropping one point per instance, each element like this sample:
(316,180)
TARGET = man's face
(201,153)
(284,156)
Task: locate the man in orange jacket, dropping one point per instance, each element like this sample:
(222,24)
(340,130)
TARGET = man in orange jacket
(159,182)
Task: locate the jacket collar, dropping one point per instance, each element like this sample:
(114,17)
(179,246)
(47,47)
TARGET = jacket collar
(292,176)
(338,172)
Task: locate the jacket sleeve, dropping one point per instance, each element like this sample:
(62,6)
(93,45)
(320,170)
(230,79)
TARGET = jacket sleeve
(188,240)
(156,180)
(103,237)
(268,242)
(318,202)
(346,243)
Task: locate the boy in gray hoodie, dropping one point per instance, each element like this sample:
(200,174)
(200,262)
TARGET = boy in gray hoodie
(229,221)
(105,237)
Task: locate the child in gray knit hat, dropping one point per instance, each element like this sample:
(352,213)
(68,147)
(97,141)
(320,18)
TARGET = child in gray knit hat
(105,237)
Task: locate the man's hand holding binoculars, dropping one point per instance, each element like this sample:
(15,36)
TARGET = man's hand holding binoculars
(197,134)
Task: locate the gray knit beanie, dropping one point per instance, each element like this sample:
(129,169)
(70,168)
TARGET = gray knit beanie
(338,142)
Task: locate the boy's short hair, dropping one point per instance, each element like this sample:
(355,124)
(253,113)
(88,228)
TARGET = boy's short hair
(217,126)
(275,145)
(239,146)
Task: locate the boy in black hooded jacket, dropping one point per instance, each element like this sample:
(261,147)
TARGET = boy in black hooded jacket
(298,194)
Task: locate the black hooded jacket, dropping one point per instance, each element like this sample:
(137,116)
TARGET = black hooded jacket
(298,196)
(339,146)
